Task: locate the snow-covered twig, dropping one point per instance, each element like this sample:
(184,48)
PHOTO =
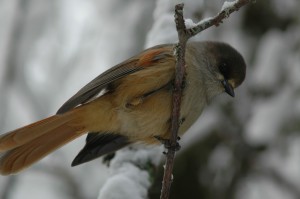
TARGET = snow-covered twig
(184,34)
(226,10)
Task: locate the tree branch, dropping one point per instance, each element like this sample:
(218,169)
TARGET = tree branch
(184,35)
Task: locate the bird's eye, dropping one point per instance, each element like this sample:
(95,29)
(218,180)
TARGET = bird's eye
(223,69)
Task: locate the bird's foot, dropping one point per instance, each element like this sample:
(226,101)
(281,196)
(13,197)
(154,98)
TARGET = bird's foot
(107,158)
(167,143)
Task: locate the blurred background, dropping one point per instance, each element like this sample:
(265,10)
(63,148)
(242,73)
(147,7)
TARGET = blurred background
(242,148)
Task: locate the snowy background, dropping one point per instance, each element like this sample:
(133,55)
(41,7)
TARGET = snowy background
(245,148)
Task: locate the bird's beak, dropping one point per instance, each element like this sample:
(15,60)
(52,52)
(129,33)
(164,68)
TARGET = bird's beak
(228,88)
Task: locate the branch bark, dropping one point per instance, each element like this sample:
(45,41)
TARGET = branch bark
(184,34)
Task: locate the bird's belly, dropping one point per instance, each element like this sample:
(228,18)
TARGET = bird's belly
(152,116)
(147,119)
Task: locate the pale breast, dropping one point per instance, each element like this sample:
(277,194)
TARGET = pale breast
(193,103)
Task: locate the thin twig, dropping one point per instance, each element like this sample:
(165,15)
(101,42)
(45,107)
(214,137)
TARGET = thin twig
(176,100)
(218,19)
(184,35)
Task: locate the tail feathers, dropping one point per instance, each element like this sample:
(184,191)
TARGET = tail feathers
(27,133)
(23,147)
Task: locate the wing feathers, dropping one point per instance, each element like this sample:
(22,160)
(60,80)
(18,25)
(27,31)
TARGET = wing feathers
(98,145)
(145,59)
(97,85)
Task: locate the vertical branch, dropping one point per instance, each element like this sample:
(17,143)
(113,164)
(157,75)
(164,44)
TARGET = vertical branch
(176,100)
(184,35)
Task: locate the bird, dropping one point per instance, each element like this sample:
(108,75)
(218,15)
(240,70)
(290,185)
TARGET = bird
(130,102)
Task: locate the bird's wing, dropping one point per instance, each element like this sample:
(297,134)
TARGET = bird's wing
(100,144)
(144,60)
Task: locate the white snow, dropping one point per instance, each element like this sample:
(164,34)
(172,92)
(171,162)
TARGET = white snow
(128,182)
(228,5)
(189,23)
(127,174)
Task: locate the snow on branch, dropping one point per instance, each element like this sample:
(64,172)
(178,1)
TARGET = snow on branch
(184,34)
(191,29)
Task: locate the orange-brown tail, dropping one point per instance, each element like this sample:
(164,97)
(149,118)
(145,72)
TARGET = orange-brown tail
(21,148)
